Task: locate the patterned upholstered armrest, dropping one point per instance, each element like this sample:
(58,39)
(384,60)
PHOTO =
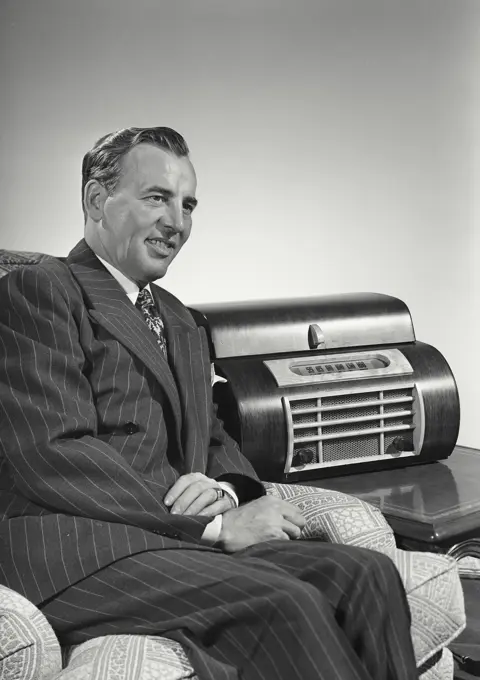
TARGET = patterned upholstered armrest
(29,649)
(337,517)
(431,581)
(12,259)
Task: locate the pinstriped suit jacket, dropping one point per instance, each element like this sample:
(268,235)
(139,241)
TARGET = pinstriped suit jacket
(95,425)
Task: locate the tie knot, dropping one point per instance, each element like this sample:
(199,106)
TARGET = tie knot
(144,299)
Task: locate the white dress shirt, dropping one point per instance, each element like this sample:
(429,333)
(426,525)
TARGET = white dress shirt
(212,530)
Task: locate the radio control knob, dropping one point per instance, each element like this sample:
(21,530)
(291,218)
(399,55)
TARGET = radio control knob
(402,444)
(302,457)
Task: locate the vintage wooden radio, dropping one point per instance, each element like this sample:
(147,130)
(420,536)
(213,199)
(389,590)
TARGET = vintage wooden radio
(326,386)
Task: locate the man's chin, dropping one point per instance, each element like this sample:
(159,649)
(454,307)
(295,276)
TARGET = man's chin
(155,271)
(159,275)
(150,267)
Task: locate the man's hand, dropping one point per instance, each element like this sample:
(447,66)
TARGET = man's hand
(260,520)
(196,494)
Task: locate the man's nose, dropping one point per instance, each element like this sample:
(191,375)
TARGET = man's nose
(174,217)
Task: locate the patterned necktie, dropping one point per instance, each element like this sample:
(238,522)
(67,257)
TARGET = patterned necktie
(154,321)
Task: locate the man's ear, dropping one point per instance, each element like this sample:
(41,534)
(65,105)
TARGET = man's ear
(94,197)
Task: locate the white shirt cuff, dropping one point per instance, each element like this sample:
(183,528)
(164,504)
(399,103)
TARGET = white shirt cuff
(212,531)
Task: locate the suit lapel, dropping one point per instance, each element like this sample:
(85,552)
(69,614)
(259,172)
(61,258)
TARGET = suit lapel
(111,309)
(185,348)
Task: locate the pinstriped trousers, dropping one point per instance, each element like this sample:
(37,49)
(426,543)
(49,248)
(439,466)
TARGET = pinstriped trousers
(279,610)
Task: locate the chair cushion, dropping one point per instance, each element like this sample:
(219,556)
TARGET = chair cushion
(136,657)
(431,583)
(127,657)
(29,649)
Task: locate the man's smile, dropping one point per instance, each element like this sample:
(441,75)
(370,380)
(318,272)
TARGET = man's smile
(161,246)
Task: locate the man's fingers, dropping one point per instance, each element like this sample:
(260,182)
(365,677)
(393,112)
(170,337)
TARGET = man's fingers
(188,496)
(181,485)
(291,530)
(205,499)
(196,497)
(217,508)
(293,515)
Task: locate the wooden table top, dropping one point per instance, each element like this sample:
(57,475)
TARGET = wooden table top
(433,503)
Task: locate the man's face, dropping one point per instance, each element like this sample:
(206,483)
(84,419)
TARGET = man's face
(149,217)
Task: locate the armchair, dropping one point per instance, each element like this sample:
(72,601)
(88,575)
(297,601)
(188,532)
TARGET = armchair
(29,649)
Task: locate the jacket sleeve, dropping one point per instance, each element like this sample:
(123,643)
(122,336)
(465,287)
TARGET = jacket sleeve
(225,460)
(228,464)
(48,421)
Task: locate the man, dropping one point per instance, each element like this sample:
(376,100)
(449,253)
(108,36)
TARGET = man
(119,487)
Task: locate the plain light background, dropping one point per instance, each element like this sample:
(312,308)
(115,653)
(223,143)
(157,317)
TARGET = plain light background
(334,140)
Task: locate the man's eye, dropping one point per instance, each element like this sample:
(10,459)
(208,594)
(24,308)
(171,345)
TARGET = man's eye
(188,208)
(157,198)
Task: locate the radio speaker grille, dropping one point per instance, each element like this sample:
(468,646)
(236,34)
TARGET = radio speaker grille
(330,430)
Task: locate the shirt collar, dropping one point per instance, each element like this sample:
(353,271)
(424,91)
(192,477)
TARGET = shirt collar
(130,287)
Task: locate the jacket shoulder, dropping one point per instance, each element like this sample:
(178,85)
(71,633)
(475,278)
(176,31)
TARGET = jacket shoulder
(23,276)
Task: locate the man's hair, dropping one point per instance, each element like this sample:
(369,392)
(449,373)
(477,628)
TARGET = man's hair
(104,161)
